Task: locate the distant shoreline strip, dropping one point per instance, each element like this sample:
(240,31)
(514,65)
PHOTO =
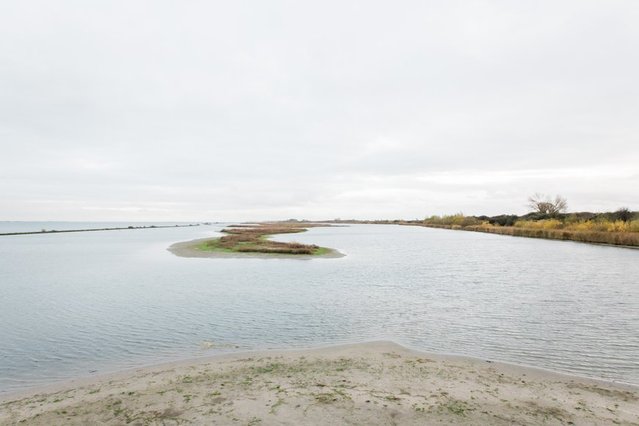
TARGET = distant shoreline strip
(55,231)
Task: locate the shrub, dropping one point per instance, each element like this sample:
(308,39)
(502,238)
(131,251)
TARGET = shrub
(623,214)
(453,220)
(540,224)
(502,220)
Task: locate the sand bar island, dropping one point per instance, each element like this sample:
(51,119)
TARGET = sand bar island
(253,241)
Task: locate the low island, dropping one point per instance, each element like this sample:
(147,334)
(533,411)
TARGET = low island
(253,240)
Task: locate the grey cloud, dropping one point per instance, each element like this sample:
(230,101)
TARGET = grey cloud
(244,109)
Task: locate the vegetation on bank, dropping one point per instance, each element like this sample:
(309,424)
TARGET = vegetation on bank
(619,228)
(254,239)
(548,219)
(599,222)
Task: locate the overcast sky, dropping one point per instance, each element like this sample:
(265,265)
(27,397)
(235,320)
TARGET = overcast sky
(204,110)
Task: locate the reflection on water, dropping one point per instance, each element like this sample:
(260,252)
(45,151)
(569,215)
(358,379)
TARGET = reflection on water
(72,304)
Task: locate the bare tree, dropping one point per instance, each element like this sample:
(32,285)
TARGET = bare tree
(546,205)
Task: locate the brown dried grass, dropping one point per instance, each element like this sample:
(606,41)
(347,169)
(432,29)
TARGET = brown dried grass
(630,239)
(253,239)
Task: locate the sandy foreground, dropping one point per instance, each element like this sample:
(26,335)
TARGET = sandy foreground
(362,384)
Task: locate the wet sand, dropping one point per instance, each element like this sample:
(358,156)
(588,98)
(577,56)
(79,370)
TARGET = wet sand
(189,249)
(372,383)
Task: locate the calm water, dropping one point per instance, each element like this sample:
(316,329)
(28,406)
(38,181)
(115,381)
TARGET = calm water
(76,304)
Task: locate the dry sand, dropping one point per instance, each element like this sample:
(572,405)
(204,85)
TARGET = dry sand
(189,249)
(363,384)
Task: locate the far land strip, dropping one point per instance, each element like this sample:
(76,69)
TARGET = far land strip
(121,228)
(378,383)
(253,240)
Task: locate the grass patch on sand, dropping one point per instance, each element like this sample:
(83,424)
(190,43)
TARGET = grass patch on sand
(254,239)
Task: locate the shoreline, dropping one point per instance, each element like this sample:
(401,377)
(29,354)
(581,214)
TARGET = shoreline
(127,228)
(584,237)
(553,234)
(374,382)
(189,249)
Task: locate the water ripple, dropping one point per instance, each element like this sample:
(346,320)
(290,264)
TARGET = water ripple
(85,303)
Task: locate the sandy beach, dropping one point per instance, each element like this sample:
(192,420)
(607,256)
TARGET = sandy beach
(379,383)
(189,249)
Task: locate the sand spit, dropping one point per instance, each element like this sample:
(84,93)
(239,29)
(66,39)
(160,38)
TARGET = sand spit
(189,249)
(364,384)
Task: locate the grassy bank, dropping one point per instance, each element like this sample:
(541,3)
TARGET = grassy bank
(619,228)
(596,237)
(598,228)
(255,239)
